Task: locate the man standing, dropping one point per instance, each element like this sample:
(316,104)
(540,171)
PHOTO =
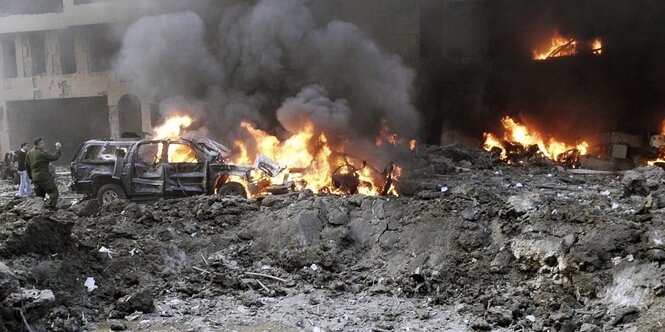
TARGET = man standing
(37,162)
(25,188)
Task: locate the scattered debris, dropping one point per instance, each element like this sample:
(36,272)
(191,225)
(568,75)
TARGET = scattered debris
(560,252)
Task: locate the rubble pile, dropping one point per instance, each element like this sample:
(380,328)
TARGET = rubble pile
(471,245)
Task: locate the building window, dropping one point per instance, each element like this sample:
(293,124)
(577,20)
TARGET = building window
(22,7)
(9,68)
(67,51)
(37,53)
(103,47)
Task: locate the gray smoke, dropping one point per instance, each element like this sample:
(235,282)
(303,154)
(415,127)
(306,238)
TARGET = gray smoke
(312,105)
(166,55)
(273,62)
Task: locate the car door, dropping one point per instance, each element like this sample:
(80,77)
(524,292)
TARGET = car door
(185,170)
(147,177)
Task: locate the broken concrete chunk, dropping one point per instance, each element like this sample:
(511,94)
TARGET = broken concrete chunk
(35,302)
(8,281)
(138,301)
(338,216)
(522,204)
(634,183)
(586,327)
(655,176)
(546,251)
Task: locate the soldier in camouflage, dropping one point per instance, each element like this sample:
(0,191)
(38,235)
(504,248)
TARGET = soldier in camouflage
(37,162)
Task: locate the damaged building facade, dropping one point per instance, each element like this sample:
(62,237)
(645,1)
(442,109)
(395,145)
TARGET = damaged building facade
(57,74)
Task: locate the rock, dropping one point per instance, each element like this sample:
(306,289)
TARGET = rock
(544,252)
(502,261)
(500,316)
(274,201)
(569,326)
(118,326)
(469,214)
(625,315)
(634,183)
(338,216)
(522,204)
(87,208)
(8,281)
(654,175)
(35,302)
(479,324)
(139,301)
(586,327)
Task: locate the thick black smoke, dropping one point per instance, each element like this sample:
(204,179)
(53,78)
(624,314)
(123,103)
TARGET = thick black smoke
(273,62)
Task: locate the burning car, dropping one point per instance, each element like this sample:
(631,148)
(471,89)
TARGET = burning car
(151,169)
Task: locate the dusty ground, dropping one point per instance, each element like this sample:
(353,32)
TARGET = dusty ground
(472,245)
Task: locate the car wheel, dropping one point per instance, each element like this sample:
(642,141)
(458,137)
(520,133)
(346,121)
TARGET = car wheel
(232,189)
(109,193)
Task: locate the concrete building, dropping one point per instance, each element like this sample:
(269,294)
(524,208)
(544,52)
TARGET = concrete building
(57,77)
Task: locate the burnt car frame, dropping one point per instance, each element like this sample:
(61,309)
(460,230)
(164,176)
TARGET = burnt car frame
(146,169)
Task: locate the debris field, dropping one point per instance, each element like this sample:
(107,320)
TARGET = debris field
(470,244)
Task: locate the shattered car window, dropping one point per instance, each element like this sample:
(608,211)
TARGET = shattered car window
(104,152)
(150,153)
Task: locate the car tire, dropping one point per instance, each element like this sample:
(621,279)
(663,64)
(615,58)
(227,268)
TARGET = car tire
(109,193)
(232,189)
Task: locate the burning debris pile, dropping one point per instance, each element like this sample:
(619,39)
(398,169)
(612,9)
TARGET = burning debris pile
(614,151)
(520,143)
(306,160)
(560,46)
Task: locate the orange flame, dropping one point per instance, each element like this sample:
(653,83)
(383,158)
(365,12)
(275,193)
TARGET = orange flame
(560,46)
(172,129)
(310,160)
(385,136)
(173,126)
(597,46)
(518,134)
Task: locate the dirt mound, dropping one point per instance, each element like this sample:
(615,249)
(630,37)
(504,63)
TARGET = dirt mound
(470,247)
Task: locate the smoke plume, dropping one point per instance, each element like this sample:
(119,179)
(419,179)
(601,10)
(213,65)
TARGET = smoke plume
(272,62)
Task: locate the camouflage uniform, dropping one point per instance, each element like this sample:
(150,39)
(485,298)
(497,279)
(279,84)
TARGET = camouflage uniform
(36,163)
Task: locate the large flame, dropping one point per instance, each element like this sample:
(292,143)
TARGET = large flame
(559,46)
(172,129)
(516,134)
(309,158)
(597,46)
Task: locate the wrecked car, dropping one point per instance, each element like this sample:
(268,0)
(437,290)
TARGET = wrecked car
(151,169)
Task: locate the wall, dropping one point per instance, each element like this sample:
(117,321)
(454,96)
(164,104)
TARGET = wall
(54,82)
